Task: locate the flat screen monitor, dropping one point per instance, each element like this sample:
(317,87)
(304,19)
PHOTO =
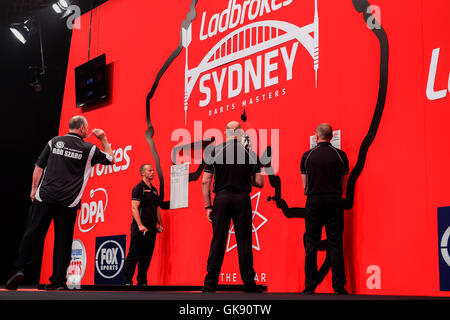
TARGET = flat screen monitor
(92,82)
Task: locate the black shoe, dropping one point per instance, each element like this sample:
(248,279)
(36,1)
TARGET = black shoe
(341,292)
(142,284)
(252,289)
(307,292)
(14,281)
(208,289)
(55,286)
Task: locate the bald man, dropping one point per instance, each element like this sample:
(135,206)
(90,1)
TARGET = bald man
(324,172)
(59,178)
(235,170)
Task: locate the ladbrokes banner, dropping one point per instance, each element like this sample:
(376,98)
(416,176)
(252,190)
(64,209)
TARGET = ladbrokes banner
(378,72)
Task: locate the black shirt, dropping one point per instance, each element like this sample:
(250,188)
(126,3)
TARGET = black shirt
(324,167)
(149,200)
(67,162)
(233,167)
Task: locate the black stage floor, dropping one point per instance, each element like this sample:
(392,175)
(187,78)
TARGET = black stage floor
(99,292)
(35,294)
(99,302)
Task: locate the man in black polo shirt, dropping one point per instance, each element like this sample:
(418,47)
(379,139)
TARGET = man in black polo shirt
(235,170)
(59,179)
(324,173)
(145,211)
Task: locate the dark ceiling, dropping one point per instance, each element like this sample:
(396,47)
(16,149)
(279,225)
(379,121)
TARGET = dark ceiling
(19,10)
(15,10)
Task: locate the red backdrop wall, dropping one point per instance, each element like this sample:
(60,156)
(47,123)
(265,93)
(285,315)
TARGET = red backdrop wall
(392,227)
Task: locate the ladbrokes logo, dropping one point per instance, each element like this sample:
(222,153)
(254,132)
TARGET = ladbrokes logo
(261,68)
(93,212)
(122,162)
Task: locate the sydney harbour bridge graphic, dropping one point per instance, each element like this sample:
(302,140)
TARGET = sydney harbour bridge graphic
(255,37)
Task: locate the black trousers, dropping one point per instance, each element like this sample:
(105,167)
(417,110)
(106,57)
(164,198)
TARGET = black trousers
(39,219)
(324,210)
(237,206)
(140,253)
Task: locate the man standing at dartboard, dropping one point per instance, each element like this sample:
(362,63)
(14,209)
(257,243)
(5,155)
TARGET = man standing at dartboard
(235,170)
(324,173)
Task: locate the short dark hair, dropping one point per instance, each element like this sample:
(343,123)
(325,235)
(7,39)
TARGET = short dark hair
(141,169)
(76,122)
(325,131)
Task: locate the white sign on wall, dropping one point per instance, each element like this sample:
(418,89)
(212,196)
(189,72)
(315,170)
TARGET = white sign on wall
(179,186)
(335,141)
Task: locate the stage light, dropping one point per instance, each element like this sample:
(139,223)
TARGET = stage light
(18,35)
(61,6)
(65,8)
(56,8)
(64,4)
(23,31)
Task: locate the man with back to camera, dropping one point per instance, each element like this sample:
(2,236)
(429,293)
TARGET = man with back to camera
(59,179)
(324,172)
(146,214)
(235,170)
